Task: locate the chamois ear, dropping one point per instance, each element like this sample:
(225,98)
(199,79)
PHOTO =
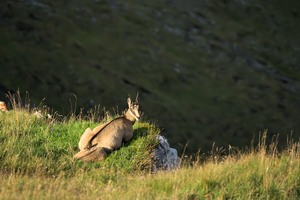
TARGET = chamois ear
(129,102)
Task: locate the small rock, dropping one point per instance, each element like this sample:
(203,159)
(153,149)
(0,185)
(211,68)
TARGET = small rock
(164,157)
(49,116)
(38,114)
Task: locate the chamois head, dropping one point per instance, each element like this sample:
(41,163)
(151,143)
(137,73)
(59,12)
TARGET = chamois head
(133,109)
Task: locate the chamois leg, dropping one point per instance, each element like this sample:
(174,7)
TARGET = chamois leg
(93,154)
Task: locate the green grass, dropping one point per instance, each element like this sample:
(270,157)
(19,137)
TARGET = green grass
(193,62)
(36,163)
(31,145)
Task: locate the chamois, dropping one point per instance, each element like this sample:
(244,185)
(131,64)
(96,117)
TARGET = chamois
(94,145)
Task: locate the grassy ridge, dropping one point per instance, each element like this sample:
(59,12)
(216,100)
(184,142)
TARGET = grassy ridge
(31,145)
(36,163)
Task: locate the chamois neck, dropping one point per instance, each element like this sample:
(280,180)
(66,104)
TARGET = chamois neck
(129,116)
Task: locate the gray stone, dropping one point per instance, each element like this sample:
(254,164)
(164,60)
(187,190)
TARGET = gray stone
(164,157)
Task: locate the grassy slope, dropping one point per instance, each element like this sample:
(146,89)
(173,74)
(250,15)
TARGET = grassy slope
(252,177)
(36,163)
(208,72)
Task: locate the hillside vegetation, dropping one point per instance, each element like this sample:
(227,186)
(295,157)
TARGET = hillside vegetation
(36,163)
(207,71)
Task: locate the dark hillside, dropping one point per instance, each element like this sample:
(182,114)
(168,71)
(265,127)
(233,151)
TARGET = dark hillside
(206,71)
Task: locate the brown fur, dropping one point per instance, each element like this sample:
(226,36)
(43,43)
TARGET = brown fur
(105,138)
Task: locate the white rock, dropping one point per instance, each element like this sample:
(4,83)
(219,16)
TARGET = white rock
(38,114)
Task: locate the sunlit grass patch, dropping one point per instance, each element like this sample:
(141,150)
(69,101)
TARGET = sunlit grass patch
(36,163)
(32,144)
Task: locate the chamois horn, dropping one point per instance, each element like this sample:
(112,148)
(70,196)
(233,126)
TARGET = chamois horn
(136,98)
